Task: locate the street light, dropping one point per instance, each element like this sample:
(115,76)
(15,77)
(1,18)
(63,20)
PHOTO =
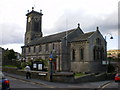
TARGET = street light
(111,37)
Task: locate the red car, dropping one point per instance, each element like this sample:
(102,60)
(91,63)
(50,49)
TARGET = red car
(4,83)
(117,77)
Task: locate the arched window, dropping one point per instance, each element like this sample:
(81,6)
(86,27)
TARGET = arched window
(53,46)
(29,49)
(98,41)
(47,47)
(34,49)
(73,55)
(81,53)
(24,50)
(98,53)
(94,53)
(40,49)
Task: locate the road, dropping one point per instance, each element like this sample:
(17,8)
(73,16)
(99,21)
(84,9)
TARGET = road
(17,83)
(113,84)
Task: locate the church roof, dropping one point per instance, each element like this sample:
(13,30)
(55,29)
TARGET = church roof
(50,38)
(57,38)
(83,37)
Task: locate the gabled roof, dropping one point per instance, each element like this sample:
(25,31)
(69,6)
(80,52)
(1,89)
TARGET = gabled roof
(50,38)
(83,37)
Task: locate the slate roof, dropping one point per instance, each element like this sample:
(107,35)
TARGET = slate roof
(83,37)
(50,38)
(57,38)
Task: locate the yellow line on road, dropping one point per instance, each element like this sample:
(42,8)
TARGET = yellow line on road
(106,85)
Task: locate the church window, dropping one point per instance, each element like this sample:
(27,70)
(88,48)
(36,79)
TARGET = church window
(29,49)
(53,46)
(94,53)
(98,53)
(101,54)
(73,55)
(34,49)
(40,49)
(98,41)
(24,50)
(82,53)
(47,47)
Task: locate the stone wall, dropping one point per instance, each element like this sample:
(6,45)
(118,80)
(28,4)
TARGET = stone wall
(91,67)
(95,77)
(34,74)
(67,78)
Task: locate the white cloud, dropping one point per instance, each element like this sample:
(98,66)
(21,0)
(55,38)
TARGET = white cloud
(11,33)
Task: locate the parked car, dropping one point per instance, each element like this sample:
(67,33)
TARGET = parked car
(117,77)
(4,82)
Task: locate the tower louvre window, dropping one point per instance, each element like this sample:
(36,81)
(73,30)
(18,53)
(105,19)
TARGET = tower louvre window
(36,26)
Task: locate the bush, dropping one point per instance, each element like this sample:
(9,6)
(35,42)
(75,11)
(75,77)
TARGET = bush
(111,68)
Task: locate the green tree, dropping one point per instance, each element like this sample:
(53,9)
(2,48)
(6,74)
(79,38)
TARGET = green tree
(8,56)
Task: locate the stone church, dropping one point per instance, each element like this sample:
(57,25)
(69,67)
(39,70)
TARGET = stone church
(75,50)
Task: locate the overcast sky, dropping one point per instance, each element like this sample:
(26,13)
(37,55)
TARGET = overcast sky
(59,15)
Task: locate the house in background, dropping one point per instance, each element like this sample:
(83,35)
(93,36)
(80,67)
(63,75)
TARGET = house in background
(113,53)
(76,51)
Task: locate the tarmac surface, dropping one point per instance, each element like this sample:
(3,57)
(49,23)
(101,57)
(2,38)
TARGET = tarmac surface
(48,84)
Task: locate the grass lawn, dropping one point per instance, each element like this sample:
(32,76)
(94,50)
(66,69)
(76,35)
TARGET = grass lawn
(79,74)
(9,66)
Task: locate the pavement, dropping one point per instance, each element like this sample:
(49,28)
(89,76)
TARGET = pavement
(48,84)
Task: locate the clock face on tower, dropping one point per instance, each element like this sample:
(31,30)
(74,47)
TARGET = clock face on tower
(29,19)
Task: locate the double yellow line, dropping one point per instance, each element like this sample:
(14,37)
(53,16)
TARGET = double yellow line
(105,84)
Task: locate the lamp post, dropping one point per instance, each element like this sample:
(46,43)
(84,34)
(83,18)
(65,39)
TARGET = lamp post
(111,37)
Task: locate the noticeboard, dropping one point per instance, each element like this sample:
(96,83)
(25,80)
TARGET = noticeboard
(34,65)
(40,66)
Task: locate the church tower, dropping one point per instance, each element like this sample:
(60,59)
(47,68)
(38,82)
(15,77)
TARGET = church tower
(33,25)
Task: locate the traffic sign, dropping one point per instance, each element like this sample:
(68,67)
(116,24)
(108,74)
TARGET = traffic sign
(51,57)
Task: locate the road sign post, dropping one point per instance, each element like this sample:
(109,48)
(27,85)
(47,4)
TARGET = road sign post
(51,71)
